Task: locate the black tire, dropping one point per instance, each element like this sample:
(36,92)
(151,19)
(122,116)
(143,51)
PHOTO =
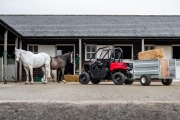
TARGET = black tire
(118,78)
(95,81)
(129,79)
(84,78)
(145,80)
(166,81)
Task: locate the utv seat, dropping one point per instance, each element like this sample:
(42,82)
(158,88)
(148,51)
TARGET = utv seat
(100,64)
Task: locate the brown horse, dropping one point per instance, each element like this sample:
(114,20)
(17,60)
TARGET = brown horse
(59,63)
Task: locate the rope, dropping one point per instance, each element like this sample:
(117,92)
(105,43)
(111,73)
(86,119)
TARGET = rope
(7,54)
(5,79)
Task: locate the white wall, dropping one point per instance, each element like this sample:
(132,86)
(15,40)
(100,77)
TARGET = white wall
(167,50)
(50,50)
(10,72)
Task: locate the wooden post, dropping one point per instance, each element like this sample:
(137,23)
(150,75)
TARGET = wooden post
(80,54)
(20,62)
(5,57)
(142,43)
(16,70)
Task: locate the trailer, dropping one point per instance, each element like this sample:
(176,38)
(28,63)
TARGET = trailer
(154,69)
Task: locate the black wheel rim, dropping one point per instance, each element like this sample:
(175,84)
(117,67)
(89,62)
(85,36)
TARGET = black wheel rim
(117,79)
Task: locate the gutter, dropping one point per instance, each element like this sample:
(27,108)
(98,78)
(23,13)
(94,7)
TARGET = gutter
(95,37)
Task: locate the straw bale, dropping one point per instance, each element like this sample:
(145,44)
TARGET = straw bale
(151,54)
(71,78)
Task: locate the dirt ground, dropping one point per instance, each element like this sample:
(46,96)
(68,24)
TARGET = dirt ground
(73,101)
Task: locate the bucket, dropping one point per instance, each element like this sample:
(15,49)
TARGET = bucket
(37,79)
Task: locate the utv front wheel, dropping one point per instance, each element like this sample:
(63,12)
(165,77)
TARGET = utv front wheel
(84,78)
(129,79)
(95,81)
(118,78)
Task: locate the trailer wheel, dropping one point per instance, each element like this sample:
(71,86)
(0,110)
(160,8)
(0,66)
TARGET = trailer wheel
(84,78)
(95,81)
(145,80)
(129,79)
(166,81)
(118,78)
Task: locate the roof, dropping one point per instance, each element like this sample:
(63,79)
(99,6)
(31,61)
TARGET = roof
(93,25)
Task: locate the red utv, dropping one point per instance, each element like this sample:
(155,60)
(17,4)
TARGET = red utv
(108,66)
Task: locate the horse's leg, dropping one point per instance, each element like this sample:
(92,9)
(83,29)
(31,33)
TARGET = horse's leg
(58,74)
(27,75)
(62,71)
(31,73)
(43,69)
(46,72)
(52,75)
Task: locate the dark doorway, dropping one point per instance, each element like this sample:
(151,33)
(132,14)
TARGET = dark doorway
(69,67)
(127,51)
(176,54)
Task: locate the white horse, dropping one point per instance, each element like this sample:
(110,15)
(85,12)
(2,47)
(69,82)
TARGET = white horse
(31,60)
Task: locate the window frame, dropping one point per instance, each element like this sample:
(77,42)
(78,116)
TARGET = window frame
(90,52)
(28,45)
(149,45)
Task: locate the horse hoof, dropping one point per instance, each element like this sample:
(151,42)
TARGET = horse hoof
(25,83)
(64,81)
(31,83)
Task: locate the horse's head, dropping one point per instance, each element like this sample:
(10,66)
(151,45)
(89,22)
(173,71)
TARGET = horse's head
(17,55)
(71,57)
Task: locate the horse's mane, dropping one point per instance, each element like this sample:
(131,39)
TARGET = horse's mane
(26,51)
(63,56)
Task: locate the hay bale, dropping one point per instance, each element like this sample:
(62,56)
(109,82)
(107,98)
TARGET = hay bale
(71,78)
(151,54)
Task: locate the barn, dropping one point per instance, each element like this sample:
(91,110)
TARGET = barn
(84,34)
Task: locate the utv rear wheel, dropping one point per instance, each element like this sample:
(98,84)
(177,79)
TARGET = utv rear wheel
(166,81)
(84,78)
(95,81)
(145,80)
(118,78)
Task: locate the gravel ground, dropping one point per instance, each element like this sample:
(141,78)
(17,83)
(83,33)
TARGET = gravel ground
(103,101)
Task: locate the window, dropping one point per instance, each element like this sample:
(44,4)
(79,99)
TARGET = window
(149,47)
(89,51)
(32,48)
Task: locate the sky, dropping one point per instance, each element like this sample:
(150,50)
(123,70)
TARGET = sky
(91,7)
